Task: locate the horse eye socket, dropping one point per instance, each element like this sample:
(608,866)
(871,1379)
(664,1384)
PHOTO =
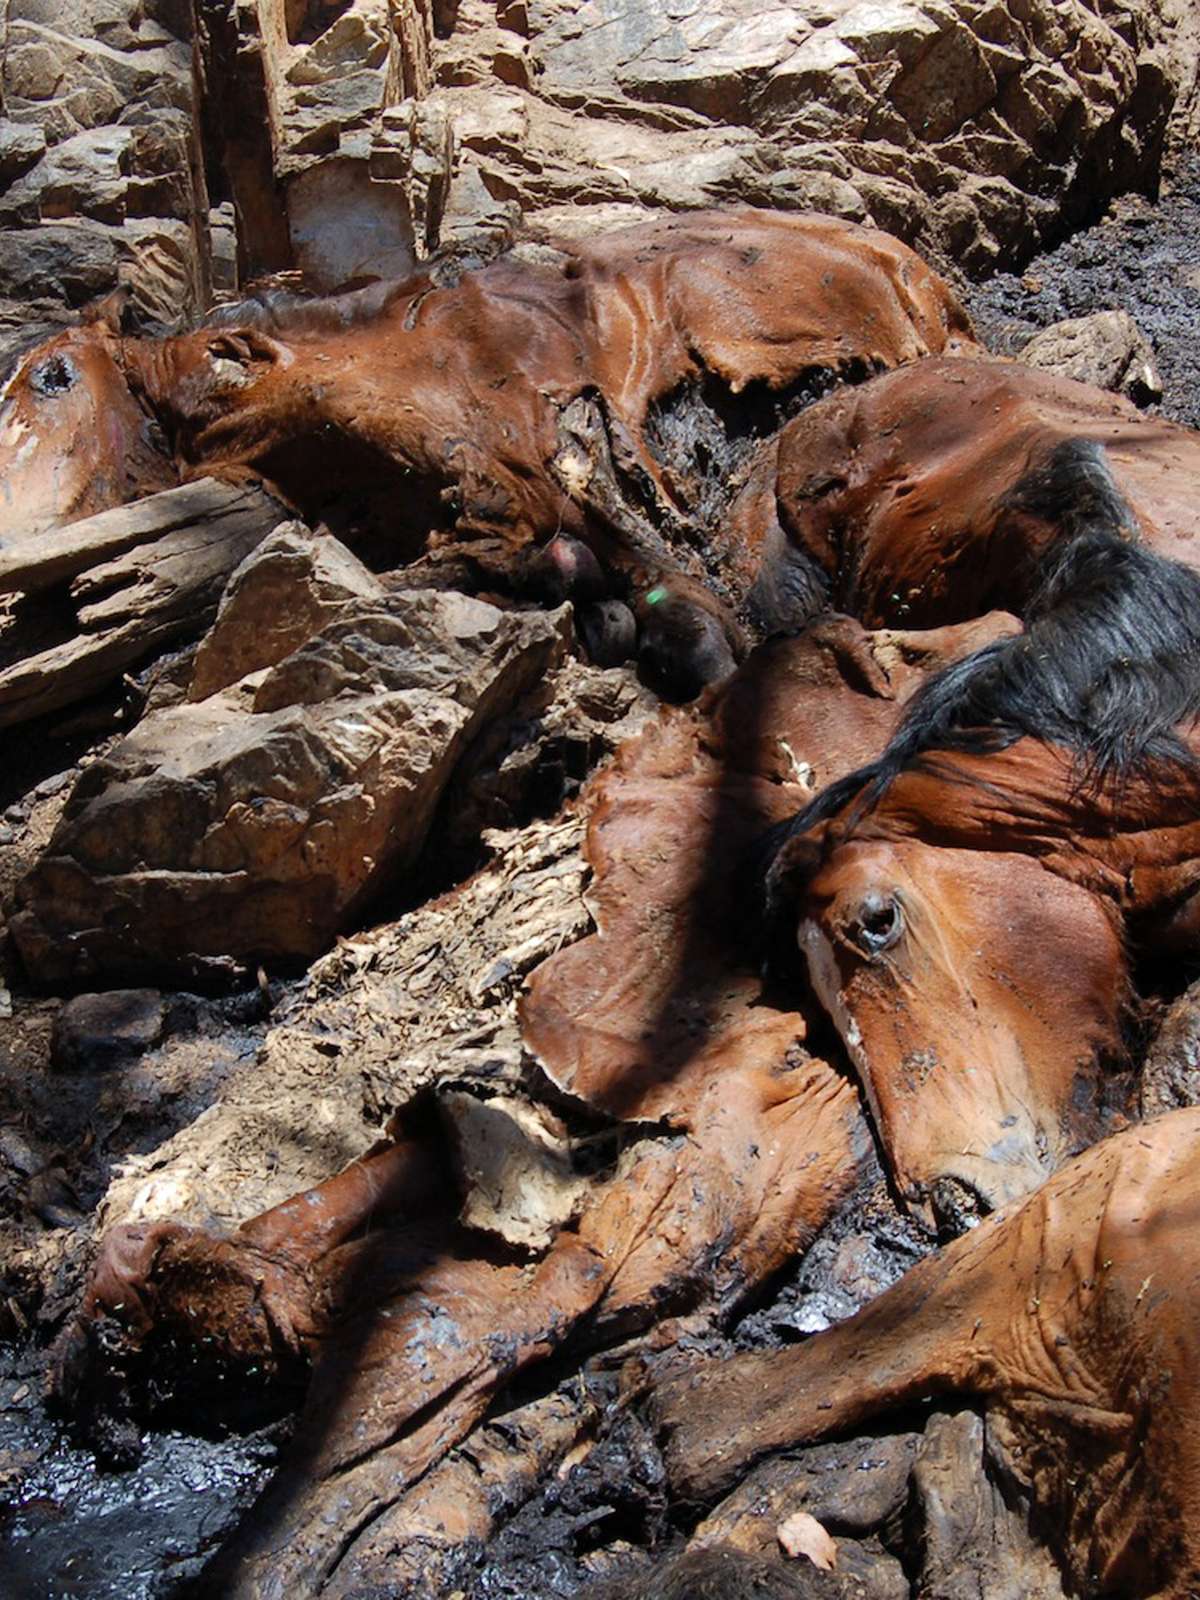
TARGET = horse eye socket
(878,924)
(55,375)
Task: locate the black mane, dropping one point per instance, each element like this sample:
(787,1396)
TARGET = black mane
(1108,665)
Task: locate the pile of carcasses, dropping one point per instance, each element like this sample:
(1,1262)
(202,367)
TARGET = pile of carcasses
(931,625)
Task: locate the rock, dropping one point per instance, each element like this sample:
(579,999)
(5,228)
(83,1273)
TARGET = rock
(250,826)
(106,97)
(277,599)
(84,176)
(93,1032)
(79,258)
(348,226)
(1106,349)
(223,236)
(356,39)
(21,147)
(1171,1072)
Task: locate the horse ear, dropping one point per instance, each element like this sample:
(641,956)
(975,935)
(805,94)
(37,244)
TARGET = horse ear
(247,348)
(107,312)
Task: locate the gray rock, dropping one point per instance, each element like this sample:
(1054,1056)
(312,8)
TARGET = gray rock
(1106,349)
(79,258)
(251,826)
(21,147)
(85,176)
(94,1032)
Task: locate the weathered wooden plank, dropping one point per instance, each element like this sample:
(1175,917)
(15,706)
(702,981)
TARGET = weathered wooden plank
(60,554)
(145,575)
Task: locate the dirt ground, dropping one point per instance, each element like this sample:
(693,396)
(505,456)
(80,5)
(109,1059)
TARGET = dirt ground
(1144,258)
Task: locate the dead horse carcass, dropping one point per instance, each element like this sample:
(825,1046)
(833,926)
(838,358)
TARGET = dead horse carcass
(928,496)
(969,903)
(1072,1315)
(491,406)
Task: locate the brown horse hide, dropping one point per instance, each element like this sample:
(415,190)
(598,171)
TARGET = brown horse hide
(968,934)
(668,992)
(926,496)
(1074,1316)
(743,1144)
(73,439)
(503,403)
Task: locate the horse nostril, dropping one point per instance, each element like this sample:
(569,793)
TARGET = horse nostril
(956,1207)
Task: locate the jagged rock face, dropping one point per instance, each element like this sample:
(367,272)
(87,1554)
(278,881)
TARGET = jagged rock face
(100,169)
(959,125)
(343,141)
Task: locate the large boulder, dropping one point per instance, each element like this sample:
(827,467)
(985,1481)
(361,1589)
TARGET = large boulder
(249,826)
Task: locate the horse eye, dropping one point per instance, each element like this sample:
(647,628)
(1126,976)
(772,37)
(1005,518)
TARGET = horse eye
(55,375)
(878,923)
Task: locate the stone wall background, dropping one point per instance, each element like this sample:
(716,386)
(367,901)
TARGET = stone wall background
(186,147)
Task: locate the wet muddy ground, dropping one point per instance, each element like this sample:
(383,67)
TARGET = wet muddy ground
(1144,258)
(69,1530)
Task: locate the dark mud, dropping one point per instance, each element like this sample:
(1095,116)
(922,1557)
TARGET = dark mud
(69,1532)
(1144,258)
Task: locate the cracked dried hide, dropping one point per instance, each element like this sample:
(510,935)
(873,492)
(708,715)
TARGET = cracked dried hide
(666,995)
(413,1322)
(440,402)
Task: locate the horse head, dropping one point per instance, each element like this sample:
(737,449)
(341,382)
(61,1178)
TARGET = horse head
(74,439)
(976,990)
(225,394)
